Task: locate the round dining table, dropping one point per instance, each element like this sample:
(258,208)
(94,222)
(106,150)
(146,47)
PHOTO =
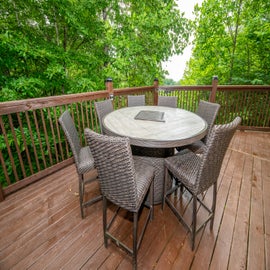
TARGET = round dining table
(154,132)
(155,126)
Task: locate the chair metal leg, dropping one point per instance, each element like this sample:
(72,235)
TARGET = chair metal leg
(83,203)
(213,204)
(194,221)
(81,193)
(152,201)
(136,239)
(166,174)
(193,228)
(105,221)
(135,247)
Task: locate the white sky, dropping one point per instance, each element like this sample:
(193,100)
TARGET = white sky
(176,64)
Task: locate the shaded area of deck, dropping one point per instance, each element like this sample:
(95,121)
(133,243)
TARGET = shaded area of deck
(41,227)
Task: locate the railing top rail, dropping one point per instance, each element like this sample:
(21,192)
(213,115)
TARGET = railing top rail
(132,90)
(219,87)
(244,87)
(185,87)
(45,102)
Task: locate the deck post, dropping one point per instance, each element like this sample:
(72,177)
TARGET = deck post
(109,87)
(212,97)
(155,91)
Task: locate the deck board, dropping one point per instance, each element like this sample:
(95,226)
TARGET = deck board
(240,238)
(266,207)
(256,258)
(41,227)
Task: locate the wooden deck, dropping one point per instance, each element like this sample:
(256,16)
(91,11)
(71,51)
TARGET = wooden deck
(41,227)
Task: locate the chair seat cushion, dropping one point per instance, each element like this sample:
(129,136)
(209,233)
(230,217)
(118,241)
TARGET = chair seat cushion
(86,160)
(185,167)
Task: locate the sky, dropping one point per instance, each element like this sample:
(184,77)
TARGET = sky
(176,64)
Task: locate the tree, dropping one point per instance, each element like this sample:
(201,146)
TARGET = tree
(232,40)
(50,47)
(169,81)
(147,33)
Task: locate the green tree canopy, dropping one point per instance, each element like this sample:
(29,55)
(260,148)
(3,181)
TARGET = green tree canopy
(232,40)
(49,47)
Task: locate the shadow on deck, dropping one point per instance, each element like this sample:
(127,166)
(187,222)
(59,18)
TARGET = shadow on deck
(41,227)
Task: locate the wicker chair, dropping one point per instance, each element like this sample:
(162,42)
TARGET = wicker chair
(136,100)
(102,109)
(208,111)
(124,181)
(199,172)
(83,159)
(168,101)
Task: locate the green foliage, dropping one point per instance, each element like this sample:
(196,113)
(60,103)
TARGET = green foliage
(232,40)
(170,82)
(56,47)
(23,88)
(30,145)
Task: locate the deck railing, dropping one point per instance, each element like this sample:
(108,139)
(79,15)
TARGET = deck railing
(33,145)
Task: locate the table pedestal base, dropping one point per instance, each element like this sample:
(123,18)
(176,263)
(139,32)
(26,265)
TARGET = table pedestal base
(158,164)
(152,152)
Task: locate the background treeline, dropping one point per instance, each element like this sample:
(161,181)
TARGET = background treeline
(53,47)
(231,40)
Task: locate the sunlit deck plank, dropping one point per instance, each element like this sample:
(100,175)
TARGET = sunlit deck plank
(239,247)
(256,251)
(41,227)
(266,207)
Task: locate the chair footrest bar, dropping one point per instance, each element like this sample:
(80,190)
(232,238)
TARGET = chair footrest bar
(180,218)
(94,200)
(119,243)
(204,205)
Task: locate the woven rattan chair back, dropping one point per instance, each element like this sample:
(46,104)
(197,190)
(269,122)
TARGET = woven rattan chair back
(199,172)
(208,111)
(102,109)
(72,135)
(124,181)
(136,100)
(84,160)
(216,147)
(167,101)
(113,159)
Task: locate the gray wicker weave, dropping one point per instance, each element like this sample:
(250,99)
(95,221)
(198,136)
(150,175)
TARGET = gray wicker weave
(168,101)
(124,181)
(199,172)
(138,100)
(84,160)
(103,108)
(208,111)
(158,164)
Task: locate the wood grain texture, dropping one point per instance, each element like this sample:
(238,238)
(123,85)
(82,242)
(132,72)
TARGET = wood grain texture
(41,227)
